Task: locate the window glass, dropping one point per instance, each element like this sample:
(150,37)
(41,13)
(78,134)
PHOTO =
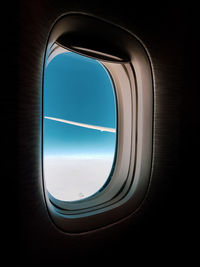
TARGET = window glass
(79,126)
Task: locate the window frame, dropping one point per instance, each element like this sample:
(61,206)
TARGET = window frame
(133,83)
(124,99)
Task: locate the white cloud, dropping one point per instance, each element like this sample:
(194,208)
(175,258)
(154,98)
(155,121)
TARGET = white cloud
(70,179)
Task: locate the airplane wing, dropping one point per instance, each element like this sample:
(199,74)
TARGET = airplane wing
(94,127)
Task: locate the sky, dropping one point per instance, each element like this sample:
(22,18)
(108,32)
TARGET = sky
(77,89)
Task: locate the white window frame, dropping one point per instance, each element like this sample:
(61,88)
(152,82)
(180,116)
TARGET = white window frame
(130,179)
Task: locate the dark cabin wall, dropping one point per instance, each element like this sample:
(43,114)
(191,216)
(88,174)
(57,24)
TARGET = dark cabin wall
(160,226)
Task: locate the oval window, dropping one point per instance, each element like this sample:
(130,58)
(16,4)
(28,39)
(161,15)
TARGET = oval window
(79,126)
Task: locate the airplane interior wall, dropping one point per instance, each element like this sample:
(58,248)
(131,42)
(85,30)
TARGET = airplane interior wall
(161,228)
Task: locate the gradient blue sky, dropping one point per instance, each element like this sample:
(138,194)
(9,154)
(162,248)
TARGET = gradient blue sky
(78,89)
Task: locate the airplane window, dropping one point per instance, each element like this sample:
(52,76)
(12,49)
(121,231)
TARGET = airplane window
(79,126)
(97,123)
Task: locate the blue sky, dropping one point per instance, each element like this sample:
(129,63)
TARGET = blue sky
(78,89)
